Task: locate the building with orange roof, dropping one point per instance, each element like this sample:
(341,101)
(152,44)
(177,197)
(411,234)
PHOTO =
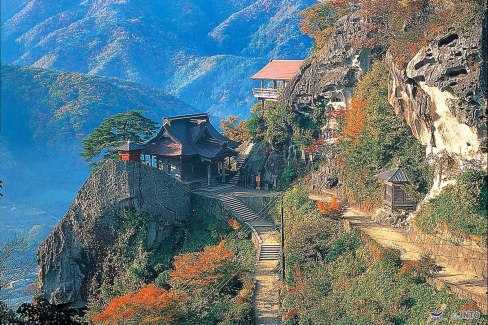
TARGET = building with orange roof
(274,77)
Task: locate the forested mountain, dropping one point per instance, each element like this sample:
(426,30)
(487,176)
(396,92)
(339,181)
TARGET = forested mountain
(200,50)
(46,114)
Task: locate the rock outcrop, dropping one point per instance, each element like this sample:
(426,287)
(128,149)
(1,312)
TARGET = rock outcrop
(441,95)
(328,76)
(78,256)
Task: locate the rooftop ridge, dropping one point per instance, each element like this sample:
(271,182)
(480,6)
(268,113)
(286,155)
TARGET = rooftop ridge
(186,117)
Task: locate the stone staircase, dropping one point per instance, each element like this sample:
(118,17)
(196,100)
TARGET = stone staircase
(270,252)
(266,302)
(240,160)
(238,207)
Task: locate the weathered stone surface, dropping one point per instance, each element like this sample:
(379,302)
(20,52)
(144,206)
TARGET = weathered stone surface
(465,256)
(441,94)
(328,77)
(265,162)
(77,257)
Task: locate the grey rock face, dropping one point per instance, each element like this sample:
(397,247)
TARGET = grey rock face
(441,93)
(73,259)
(330,75)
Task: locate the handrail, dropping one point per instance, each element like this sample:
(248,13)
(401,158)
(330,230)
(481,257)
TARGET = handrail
(268,206)
(266,92)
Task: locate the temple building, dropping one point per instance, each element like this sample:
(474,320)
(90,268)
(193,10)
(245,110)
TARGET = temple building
(394,195)
(189,148)
(274,77)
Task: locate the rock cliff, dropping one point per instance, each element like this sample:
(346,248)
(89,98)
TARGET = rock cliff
(441,95)
(79,254)
(329,75)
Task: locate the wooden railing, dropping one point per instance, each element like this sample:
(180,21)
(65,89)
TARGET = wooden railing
(266,93)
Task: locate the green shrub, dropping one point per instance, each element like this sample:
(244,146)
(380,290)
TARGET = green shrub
(383,141)
(335,277)
(461,207)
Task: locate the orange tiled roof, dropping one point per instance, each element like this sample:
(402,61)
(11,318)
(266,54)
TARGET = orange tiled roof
(279,70)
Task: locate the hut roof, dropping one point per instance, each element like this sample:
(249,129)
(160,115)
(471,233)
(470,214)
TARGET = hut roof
(188,135)
(129,146)
(279,70)
(395,175)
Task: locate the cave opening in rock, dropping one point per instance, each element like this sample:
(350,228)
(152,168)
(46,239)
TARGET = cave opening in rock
(448,39)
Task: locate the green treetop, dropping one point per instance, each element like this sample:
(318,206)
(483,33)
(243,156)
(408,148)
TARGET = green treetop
(113,131)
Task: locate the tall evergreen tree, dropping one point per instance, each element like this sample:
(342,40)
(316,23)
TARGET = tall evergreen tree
(114,131)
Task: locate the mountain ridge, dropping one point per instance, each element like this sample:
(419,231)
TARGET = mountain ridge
(152,42)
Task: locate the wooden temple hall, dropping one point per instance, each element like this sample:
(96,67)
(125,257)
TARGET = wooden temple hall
(187,147)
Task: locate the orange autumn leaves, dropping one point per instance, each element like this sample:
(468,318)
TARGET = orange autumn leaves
(201,268)
(234,224)
(148,306)
(354,121)
(329,208)
(152,305)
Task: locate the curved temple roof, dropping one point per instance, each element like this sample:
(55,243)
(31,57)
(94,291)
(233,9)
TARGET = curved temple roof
(189,135)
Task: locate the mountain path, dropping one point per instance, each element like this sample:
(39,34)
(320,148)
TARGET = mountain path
(465,285)
(266,300)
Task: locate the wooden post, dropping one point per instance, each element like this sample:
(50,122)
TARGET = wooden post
(223,171)
(209,175)
(282,241)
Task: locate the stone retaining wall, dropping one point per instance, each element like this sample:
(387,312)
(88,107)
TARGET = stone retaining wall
(465,257)
(256,203)
(214,206)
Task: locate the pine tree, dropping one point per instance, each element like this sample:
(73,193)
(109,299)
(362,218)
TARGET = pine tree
(113,131)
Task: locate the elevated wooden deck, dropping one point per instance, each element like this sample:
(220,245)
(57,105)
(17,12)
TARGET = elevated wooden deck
(266,93)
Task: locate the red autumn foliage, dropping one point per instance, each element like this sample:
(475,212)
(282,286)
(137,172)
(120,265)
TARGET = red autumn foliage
(327,208)
(408,267)
(149,305)
(291,313)
(315,145)
(202,269)
(336,113)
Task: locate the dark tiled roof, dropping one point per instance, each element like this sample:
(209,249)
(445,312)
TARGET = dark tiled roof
(129,146)
(395,175)
(189,135)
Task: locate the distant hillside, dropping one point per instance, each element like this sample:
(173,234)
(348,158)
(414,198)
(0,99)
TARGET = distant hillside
(46,114)
(204,50)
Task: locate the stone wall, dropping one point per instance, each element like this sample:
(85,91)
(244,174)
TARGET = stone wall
(257,203)
(215,207)
(465,257)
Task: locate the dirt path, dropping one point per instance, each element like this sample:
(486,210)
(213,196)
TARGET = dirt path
(464,284)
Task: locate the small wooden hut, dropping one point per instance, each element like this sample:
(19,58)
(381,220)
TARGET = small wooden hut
(129,151)
(395,197)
